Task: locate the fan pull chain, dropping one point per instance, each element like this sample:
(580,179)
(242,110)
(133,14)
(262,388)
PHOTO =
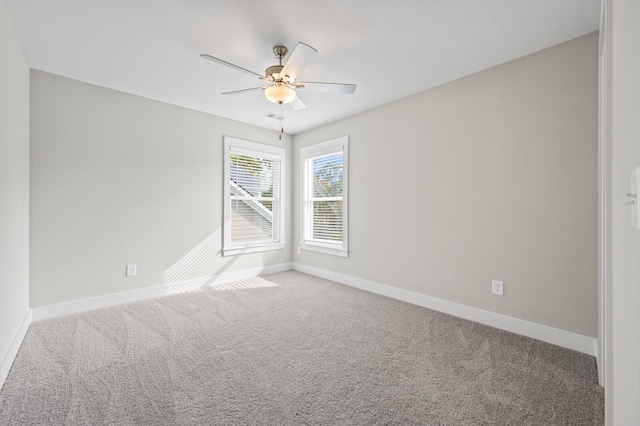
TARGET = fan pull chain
(281,118)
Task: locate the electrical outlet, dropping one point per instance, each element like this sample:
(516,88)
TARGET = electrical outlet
(131,271)
(497,288)
(634,191)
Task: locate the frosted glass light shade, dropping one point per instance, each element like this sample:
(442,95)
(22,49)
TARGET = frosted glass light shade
(280,94)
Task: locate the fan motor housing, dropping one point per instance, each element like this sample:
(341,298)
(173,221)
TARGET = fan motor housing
(273,72)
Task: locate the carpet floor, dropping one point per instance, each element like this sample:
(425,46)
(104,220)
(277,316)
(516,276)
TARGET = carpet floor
(291,349)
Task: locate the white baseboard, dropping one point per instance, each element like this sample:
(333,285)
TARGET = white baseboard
(556,336)
(563,338)
(82,305)
(10,356)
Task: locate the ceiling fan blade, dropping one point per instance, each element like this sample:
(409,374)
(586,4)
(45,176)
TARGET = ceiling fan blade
(230,65)
(300,57)
(235,92)
(326,87)
(297,104)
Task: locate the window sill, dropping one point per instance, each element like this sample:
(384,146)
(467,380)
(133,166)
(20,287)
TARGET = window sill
(326,249)
(255,249)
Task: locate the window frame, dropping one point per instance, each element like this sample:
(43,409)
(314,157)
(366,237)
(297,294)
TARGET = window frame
(254,149)
(307,154)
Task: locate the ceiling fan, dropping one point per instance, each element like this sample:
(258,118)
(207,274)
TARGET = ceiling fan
(282,79)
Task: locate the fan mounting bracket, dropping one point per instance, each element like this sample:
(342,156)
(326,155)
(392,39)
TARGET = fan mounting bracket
(280,51)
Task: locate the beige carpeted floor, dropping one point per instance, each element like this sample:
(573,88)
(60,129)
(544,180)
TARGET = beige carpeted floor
(290,349)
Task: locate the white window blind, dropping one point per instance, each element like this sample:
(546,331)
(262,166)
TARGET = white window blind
(253,197)
(324,197)
(325,204)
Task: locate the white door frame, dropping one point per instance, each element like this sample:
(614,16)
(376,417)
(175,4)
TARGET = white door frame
(603,198)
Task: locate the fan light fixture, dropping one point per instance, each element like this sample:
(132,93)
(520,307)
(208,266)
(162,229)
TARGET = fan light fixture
(279,93)
(283,79)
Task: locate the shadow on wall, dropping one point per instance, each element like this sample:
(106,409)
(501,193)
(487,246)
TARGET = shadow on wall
(204,266)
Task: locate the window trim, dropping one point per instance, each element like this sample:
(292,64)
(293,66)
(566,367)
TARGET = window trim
(240,146)
(324,148)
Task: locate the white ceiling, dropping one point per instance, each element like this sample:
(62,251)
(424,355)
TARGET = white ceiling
(390,49)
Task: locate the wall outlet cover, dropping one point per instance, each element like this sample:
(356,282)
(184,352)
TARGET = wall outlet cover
(497,288)
(634,193)
(131,271)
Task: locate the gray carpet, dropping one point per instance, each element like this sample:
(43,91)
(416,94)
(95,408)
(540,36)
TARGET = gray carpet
(290,349)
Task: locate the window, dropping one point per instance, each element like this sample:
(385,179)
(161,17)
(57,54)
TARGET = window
(253,197)
(324,195)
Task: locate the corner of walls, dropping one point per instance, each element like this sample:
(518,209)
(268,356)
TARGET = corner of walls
(14,192)
(14,347)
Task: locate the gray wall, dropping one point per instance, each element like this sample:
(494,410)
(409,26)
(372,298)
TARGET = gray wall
(623,315)
(499,168)
(14,182)
(493,176)
(119,179)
